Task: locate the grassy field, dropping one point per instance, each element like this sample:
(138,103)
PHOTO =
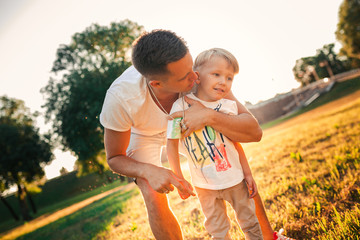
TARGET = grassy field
(307,171)
(59,193)
(85,223)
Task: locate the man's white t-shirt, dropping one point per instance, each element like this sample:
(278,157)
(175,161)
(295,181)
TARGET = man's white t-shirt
(212,157)
(129,105)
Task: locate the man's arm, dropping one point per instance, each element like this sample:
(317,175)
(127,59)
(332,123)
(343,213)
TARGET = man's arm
(254,129)
(239,128)
(160,179)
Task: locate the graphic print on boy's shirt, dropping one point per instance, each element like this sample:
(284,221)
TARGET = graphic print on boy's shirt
(207,148)
(212,157)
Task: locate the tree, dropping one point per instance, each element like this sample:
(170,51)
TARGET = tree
(3,200)
(82,72)
(325,63)
(329,63)
(23,151)
(348,28)
(302,71)
(63,171)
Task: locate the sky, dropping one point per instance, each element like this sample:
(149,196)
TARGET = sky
(266,37)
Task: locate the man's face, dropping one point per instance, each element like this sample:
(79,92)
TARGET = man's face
(181,77)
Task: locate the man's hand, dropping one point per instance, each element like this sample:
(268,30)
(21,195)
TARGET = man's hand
(195,116)
(251,186)
(163,180)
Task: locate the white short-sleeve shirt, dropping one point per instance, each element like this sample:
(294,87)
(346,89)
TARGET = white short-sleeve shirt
(212,157)
(129,105)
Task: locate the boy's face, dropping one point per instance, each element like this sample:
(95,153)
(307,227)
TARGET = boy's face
(215,79)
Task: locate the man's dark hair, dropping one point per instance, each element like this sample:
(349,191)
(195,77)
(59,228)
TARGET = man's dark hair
(152,51)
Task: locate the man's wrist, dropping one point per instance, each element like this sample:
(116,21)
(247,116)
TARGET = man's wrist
(209,116)
(145,171)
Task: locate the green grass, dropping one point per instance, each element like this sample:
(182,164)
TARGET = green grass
(307,172)
(59,189)
(343,226)
(339,90)
(69,186)
(78,198)
(11,223)
(85,223)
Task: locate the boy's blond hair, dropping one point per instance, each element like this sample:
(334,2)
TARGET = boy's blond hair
(206,55)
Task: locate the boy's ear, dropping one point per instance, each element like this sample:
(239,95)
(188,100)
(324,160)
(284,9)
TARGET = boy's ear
(198,77)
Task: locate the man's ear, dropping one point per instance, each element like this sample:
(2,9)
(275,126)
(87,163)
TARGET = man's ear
(155,83)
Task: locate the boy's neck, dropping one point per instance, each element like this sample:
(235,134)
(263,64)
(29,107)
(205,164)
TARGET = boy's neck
(197,95)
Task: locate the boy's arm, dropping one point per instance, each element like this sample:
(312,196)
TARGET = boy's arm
(172,149)
(240,128)
(246,169)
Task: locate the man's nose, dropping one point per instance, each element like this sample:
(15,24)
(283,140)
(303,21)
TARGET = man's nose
(193,76)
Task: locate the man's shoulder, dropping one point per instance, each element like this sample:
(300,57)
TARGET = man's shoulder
(129,77)
(130,84)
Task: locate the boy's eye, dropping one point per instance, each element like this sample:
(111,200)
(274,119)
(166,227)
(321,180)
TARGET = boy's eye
(230,79)
(216,74)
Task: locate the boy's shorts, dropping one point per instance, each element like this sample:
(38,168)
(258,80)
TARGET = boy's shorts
(217,223)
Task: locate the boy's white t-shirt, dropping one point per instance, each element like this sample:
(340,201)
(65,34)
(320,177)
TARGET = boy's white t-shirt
(212,157)
(129,105)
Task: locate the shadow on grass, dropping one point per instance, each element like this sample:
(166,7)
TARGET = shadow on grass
(85,223)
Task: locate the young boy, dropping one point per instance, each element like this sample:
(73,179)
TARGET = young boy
(218,167)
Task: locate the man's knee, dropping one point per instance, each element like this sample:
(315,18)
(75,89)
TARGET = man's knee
(162,221)
(154,201)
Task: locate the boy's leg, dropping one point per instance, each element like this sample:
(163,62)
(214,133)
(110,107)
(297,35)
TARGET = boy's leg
(217,223)
(266,228)
(238,197)
(162,221)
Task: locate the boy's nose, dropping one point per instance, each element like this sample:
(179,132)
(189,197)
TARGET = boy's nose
(221,80)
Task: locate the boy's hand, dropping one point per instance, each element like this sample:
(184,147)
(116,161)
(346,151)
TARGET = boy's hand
(251,186)
(185,194)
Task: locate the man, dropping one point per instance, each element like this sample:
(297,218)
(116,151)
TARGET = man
(135,115)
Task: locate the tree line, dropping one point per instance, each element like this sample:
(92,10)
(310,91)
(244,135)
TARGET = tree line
(82,72)
(326,61)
